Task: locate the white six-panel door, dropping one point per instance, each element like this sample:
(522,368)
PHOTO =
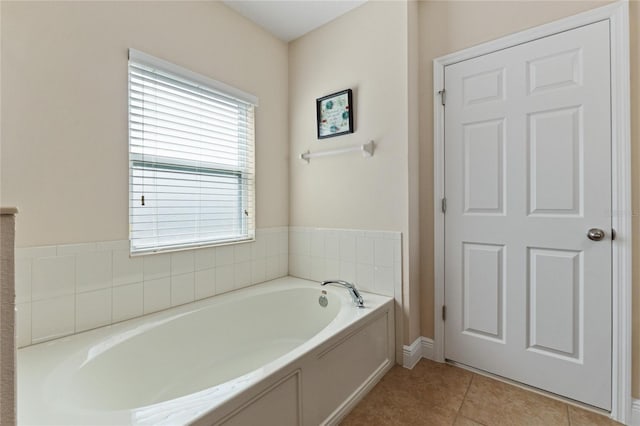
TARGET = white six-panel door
(527,174)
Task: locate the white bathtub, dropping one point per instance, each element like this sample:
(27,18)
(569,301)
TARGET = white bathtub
(269,354)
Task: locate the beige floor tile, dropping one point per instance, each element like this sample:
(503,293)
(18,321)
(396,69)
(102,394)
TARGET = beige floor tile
(463,421)
(430,394)
(434,394)
(496,403)
(580,417)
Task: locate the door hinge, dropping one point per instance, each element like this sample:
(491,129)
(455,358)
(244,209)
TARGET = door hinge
(443,206)
(444,312)
(443,96)
(142,200)
(613,234)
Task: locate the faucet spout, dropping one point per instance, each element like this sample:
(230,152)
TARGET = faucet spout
(353,291)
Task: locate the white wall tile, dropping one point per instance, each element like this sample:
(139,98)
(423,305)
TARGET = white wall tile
(81,286)
(242,274)
(225,278)
(126,269)
(259,248)
(272,243)
(116,245)
(332,269)
(182,262)
(383,280)
(205,283)
(94,271)
(157,295)
(318,269)
(23,324)
(70,249)
(127,302)
(182,289)
(303,267)
(52,318)
(347,271)
(205,258)
(156,266)
(295,265)
(93,309)
(299,242)
(347,247)
(317,243)
(364,277)
(273,267)
(383,252)
(364,250)
(283,265)
(23,280)
(225,256)
(52,277)
(283,237)
(242,252)
(34,252)
(258,270)
(332,245)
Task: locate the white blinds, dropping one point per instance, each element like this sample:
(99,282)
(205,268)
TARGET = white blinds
(191,158)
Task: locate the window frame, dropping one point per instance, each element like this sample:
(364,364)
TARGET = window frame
(246,176)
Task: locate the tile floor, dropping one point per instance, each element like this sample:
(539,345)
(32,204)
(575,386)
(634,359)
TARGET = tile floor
(437,394)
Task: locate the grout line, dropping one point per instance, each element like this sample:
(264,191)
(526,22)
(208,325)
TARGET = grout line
(464,398)
(532,389)
(568,415)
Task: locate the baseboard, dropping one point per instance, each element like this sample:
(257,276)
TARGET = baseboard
(422,347)
(635,413)
(427,348)
(411,354)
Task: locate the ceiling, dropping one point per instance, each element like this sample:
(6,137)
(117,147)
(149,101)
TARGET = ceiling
(290,19)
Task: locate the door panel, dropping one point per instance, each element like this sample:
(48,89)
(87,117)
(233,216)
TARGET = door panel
(483,291)
(555,286)
(527,173)
(483,167)
(555,166)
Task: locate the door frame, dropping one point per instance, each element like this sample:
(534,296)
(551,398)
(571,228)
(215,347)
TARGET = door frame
(618,16)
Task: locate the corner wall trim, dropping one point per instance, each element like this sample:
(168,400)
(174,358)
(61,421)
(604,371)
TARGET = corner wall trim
(422,347)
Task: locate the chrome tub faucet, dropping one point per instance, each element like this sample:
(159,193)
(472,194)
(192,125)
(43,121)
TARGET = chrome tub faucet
(353,291)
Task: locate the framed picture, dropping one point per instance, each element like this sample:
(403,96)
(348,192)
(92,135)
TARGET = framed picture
(335,114)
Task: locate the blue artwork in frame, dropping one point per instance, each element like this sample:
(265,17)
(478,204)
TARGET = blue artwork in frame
(335,114)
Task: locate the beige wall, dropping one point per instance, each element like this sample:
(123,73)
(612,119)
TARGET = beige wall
(365,50)
(63,70)
(448,26)
(64,106)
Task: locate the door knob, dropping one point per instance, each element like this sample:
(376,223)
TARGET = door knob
(595,234)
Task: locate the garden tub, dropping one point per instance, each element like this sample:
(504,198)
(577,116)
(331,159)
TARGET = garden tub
(268,354)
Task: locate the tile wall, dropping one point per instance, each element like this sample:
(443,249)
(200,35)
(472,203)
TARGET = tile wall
(370,259)
(66,289)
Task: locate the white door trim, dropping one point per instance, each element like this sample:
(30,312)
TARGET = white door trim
(618,16)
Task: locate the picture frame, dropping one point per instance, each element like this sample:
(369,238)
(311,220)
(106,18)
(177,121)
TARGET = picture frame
(334,114)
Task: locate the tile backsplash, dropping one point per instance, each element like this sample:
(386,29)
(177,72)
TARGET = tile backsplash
(370,259)
(66,289)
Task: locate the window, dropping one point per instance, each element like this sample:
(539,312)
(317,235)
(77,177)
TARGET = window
(191,158)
